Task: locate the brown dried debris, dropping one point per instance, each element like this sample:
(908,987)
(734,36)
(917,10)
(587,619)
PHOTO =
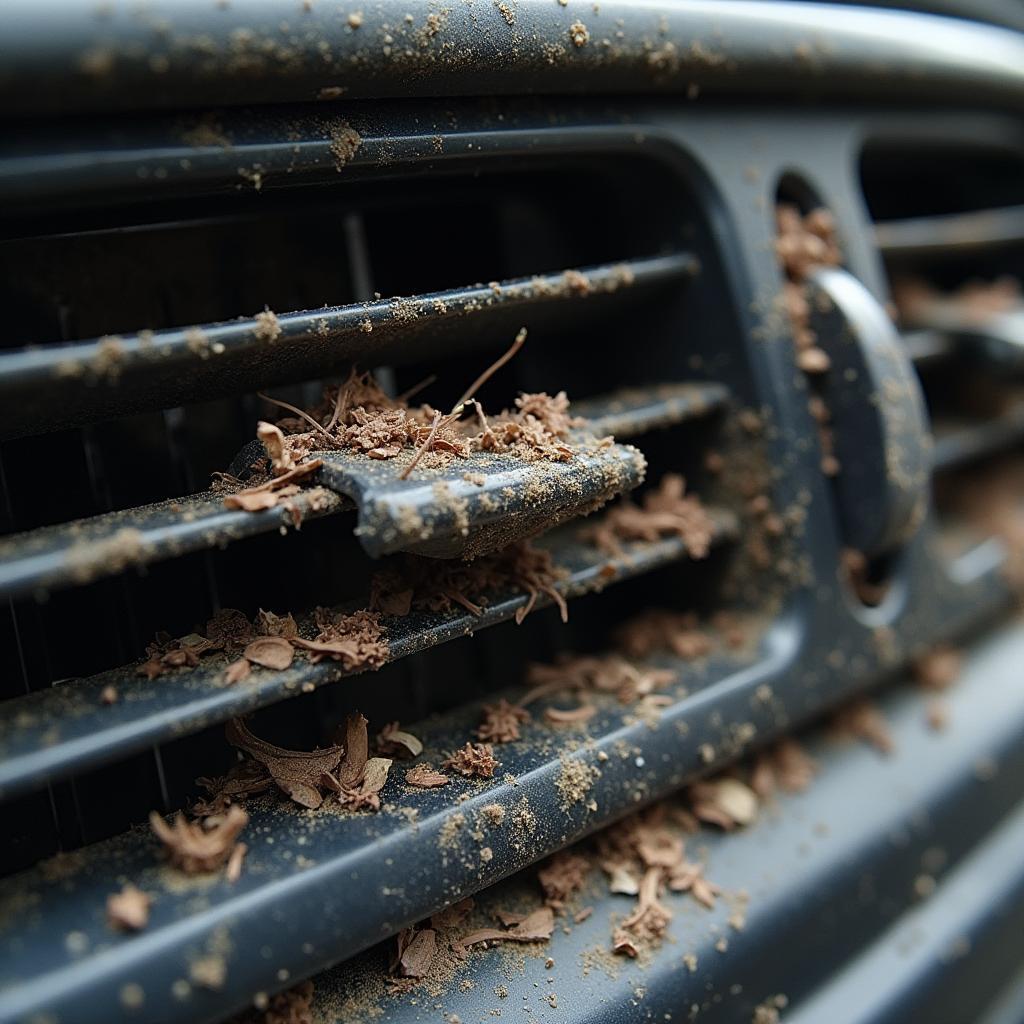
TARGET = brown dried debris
(300,774)
(415,952)
(356,640)
(805,241)
(724,801)
(128,909)
(393,741)
(665,512)
(444,586)
(273,652)
(474,759)
(562,877)
(423,776)
(939,669)
(501,722)
(195,849)
(534,927)
(648,921)
(658,629)
(293,1006)
(862,720)
(599,673)
(785,766)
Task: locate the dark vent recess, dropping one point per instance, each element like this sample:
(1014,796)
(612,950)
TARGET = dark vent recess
(138,336)
(949,225)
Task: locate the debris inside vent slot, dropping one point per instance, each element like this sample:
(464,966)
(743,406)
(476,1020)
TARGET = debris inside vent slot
(973,305)
(803,242)
(358,415)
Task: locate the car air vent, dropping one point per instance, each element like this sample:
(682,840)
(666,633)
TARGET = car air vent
(949,225)
(145,312)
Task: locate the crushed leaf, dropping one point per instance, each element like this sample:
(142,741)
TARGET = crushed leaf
(423,776)
(474,759)
(128,909)
(195,849)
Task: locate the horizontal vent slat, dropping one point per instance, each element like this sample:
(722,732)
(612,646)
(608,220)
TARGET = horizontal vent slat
(50,733)
(77,553)
(57,386)
(301,867)
(956,445)
(953,233)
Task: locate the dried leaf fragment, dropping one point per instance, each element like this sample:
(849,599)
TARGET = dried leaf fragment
(862,720)
(562,876)
(237,672)
(298,773)
(194,849)
(416,948)
(423,776)
(273,652)
(128,909)
(473,759)
(501,722)
(393,740)
(724,801)
(535,927)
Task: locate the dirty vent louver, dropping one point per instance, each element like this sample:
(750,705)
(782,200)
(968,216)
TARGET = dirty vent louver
(953,250)
(60,745)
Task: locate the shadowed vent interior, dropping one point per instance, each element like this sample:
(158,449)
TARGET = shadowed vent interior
(645,310)
(949,225)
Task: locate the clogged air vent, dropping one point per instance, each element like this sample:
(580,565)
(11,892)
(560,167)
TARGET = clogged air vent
(949,225)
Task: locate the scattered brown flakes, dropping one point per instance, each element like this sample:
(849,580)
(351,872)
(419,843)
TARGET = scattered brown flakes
(648,921)
(767,1012)
(937,715)
(393,741)
(501,722)
(356,640)
(268,327)
(195,849)
(579,34)
(273,652)
(345,140)
(293,1006)
(474,759)
(300,774)
(862,720)
(724,801)
(665,512)
(424,776)
(785,766)
(562,876)
(570,716)
(245,779)
(270,493)
(233,872)
(366,794)
(657,630)
(269,624)
(535,927)
(415,952)
(689,877)
(600,673)
(237,672)
(939,669)
(575,780)
(128,909)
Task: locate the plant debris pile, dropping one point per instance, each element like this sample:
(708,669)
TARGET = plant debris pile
(427,584)
(271,641)
(803,242)
(358,416)
(666,511)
